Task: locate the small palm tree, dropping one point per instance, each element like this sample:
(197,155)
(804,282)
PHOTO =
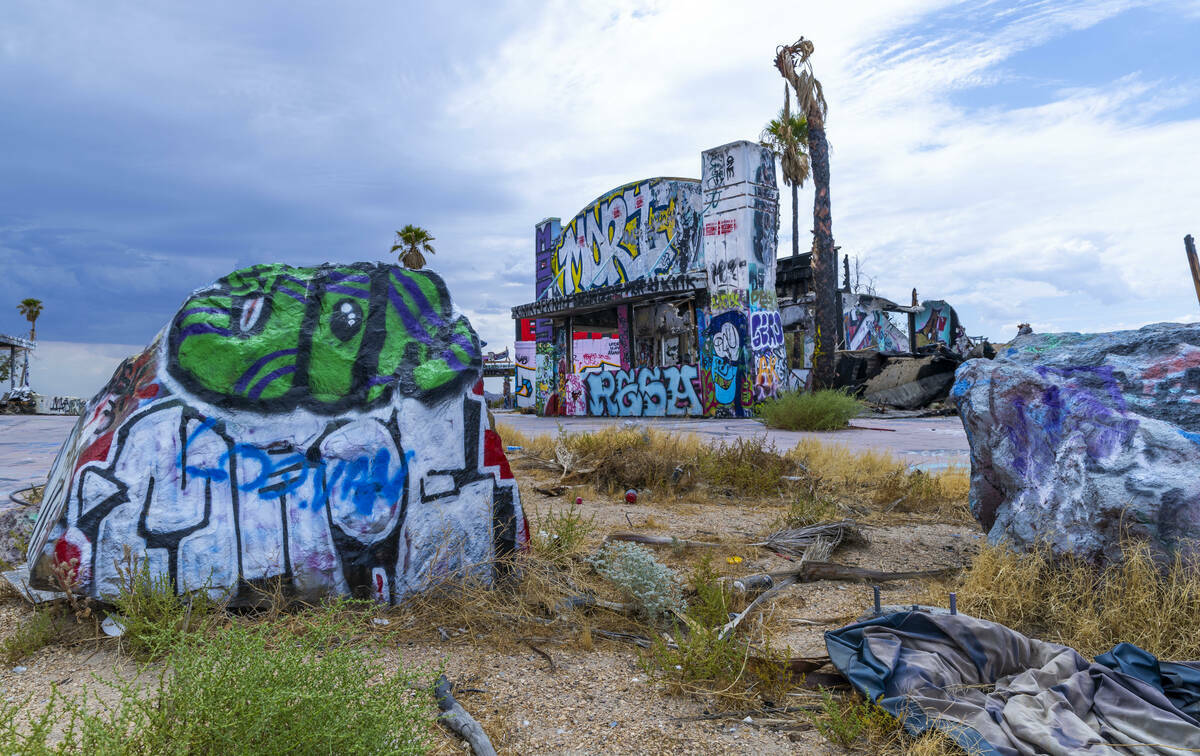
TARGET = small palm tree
(412,241)
(31,309)
(787,137)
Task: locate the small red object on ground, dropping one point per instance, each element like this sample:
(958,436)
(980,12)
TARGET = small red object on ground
(578,501)
(631,496)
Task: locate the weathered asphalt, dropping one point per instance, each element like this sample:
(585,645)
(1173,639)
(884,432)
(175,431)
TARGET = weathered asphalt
(930,443)
(28,443)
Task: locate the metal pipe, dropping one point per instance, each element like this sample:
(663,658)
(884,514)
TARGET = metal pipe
(878,607)
(954,603)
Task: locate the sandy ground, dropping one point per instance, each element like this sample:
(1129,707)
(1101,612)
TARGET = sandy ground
(596,701)
(600,701)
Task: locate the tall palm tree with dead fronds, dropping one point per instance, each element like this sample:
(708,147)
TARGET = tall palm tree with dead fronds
(31,308)
(787,137)
(794,64)
(412,241)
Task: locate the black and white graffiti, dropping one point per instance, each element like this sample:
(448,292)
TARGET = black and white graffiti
(377,499)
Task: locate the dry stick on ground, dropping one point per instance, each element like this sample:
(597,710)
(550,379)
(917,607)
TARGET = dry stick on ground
(457,719)
(810,571)
(543,654)
(651,540)
(789,541)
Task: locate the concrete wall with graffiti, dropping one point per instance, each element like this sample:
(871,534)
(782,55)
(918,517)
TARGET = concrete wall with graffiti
(643,229)
(869,327)
(936,323)
(713,352)
(59,405)
(525,357)
(324,427)
(743,357)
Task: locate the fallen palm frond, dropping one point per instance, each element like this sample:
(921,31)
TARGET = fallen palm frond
(797,542)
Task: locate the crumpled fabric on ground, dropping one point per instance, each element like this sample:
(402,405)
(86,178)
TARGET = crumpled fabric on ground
(996,691)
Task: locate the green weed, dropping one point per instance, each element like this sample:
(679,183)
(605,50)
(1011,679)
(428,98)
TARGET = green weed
(828,409)
(845,719)
(154,615)
(33,634)
(247,688)
(560,535)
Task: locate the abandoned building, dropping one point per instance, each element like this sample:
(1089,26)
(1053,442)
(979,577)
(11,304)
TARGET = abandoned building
(665,297)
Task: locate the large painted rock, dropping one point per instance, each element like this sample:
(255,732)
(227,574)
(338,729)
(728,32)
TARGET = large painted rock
(321,426)
(1078,438)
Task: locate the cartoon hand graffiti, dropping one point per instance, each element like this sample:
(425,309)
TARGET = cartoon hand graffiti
(726,349)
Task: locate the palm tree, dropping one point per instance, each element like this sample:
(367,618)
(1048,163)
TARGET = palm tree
(796,68)
(31,308)
(787,137)
(413,240)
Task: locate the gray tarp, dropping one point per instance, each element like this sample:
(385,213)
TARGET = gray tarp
(996,691)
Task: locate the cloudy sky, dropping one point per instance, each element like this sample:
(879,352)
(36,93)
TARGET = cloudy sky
(1031,161)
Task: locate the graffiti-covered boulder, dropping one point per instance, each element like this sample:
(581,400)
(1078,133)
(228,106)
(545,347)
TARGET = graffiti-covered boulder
(1079,438)
(324,427)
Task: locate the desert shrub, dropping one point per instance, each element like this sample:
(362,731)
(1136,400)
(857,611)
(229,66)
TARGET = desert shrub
(637,458)
(711,606)
(649,584)
(34,633)
(248,688)
(1152,605)
(559,535)
(155,617)
(845,719)
(745,466)
(942,493)
(827,409)
(699,660)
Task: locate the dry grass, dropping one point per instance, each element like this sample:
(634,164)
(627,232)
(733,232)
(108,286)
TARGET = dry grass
(1067,601)
(883,480)
(647,460)
(678,466)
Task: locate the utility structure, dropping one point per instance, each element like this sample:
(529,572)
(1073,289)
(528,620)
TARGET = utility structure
(1189,245)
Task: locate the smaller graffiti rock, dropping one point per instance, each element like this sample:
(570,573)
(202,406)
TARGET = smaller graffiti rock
(1077,439)
(322,427)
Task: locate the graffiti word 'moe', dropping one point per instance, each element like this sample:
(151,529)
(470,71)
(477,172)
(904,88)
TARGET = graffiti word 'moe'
(644,392)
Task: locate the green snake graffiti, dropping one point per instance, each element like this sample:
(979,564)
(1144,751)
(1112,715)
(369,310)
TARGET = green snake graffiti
(273,337)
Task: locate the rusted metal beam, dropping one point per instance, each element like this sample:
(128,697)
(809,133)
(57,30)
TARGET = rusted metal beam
(1189,244)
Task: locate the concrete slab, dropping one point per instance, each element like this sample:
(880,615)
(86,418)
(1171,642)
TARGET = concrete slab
(928,443)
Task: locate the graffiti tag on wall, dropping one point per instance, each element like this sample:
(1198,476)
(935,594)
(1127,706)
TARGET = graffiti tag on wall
(648,392)
(641,230)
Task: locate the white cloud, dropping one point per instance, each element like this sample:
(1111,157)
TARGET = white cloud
(66,368)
